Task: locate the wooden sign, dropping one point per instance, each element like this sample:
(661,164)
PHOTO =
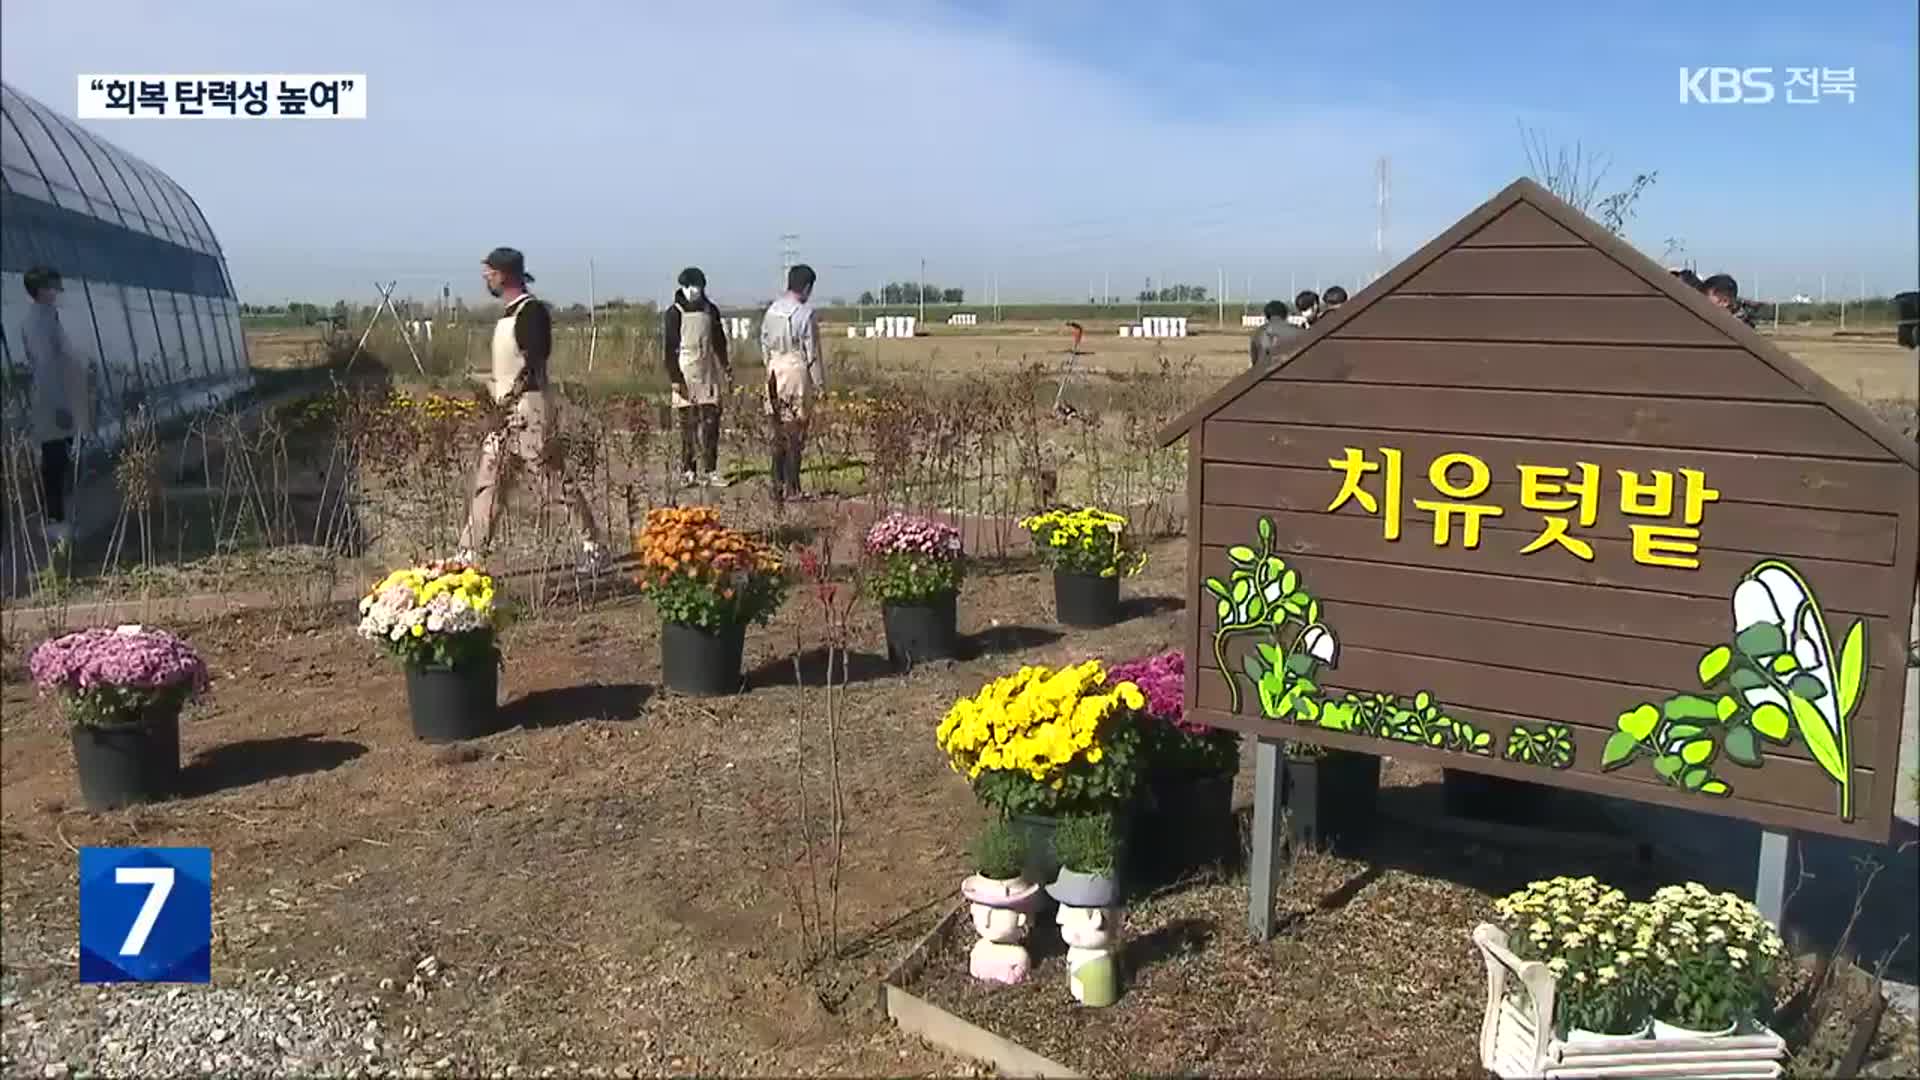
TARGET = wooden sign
(1530,506)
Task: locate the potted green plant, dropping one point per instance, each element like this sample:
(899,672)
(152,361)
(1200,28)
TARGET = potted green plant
(1717,961)
(1088,892)
(1090,551)
(122,690)
(440,622)
(1330,795)
(1044,743)
(1184,816)
(1001,901)
(1597,944)
(918,568)
(709,583)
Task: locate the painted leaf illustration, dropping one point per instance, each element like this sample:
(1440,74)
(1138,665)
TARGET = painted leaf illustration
(1726,707)
(1299,664)
(1745,678)
(1241,555)
(1225,610)
(1785,663)
(1256,607)
(1668,765)
(1218,588)
(1242,588)
(1639,723)
(1742,745)
(1695,777)
(1313,611)
(1271,652)
(1266,530)
(1760,640)
(1251,665)
(1620,750)
(1697,752)
(1771,720)
(1714,664)
(1680,733)
(1853,667)
(1690,707)
(1813,732)
(1716,787)
(1808,687)
(1289,581)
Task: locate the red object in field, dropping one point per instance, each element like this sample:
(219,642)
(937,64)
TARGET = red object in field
(1078,332)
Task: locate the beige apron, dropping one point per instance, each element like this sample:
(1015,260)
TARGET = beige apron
(699,362)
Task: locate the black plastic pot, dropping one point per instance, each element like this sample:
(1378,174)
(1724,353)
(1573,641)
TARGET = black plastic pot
(1086,601)
(1493,798)
(696,661)
(1043,863)
(1330,798)
(1182,822)
(451,704)
(122,766)
(917,633)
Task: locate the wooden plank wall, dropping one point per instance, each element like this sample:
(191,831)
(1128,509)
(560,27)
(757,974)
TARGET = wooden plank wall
(1525,344)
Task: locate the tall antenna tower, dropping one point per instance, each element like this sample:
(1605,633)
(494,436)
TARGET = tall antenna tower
(788,256)
(1382,195)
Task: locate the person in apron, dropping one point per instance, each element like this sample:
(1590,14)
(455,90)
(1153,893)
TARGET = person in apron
(696,356)
(796,375)
(522,344)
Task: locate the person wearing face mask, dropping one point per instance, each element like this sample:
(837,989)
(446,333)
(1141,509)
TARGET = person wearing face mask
(522,345)
(696,358)
(796,374)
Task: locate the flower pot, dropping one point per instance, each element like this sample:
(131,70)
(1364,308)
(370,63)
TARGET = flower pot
(135,763)
(1086,601)
(1664,1030)
(1182,822)
(1330,798)
(1493,798)
(1082,890)
(451,704)
(704,662)
(1598,1038)
(1043,864)
(917,633)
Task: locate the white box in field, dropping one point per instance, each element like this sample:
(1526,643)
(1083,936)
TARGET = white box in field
(221,97)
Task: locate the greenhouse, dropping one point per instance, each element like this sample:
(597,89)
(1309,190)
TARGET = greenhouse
(148,301)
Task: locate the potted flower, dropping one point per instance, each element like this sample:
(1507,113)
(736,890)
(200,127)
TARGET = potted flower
(1001,902)
(440,622)
(1090,552)
(1184,817)
(709,583)
(1042,743)
(1597,944)
(122,691)
(1088,892)
(918,567)
(1717,957)
(1330,794)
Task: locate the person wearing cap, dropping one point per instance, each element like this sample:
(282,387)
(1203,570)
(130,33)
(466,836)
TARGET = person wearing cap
(62,405)
(796,374)
(521,348)
(1724,291)
(696,356)
(1274,339)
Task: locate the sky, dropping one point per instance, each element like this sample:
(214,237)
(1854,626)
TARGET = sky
(1053,148)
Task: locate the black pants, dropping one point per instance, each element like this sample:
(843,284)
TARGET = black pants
(699,428)
(56,462)
(789,439)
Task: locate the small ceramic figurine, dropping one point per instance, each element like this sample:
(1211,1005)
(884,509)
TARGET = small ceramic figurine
(1002,910)
(1092,973)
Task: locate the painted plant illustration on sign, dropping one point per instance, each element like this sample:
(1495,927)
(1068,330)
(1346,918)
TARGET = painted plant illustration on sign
(1264,596)
(1781,677)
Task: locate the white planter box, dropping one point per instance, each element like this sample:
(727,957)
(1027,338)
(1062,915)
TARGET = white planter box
(1518,1042)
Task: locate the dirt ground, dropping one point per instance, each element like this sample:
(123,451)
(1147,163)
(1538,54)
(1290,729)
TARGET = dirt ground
(608,881)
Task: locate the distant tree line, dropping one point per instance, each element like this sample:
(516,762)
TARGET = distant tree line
(907,292)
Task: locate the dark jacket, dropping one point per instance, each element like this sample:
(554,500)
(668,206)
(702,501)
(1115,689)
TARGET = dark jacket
(1272,341)
(670,328)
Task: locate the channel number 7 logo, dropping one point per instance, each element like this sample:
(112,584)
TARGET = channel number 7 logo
(146,914)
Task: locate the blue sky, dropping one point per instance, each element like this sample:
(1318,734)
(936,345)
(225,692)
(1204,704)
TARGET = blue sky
(1052,145)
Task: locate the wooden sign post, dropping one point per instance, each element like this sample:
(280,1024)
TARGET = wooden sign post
(1529,506)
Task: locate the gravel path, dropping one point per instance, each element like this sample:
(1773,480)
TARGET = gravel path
(255,1025)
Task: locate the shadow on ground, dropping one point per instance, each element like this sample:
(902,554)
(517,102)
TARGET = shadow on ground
(1000,640)
(1146,607)
(850,667)
(572,704)
(254,761)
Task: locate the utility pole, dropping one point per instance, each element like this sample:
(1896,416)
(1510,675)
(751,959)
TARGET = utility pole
(1106,287)
(1220,297)
(923,290)
(788,256)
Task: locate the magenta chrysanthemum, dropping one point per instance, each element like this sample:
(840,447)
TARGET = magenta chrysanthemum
(909,534)
(129,657)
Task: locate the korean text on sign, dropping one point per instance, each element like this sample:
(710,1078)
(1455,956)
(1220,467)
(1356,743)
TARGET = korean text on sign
(223,97)
(1565,499)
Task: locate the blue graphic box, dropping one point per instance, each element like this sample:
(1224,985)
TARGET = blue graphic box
(146,914)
